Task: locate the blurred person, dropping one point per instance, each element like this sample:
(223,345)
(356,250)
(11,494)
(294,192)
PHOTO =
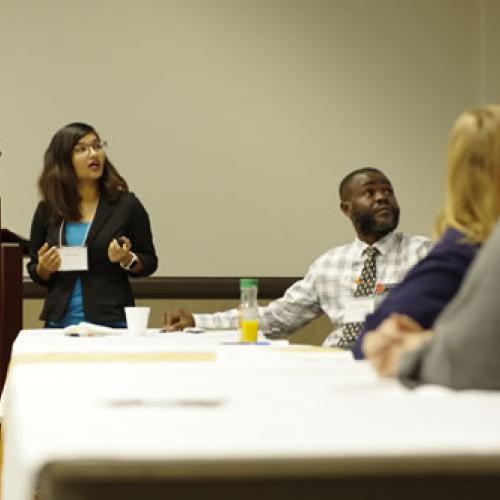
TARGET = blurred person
(463,348)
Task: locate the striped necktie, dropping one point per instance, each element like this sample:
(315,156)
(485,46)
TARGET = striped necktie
(365,288)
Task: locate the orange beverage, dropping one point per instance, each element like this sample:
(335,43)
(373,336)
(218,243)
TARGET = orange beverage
(248,310)
(249,329)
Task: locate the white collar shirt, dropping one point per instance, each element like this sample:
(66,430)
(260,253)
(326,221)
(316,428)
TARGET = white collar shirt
(328,285)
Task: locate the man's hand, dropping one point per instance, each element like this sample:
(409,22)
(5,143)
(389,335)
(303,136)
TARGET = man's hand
(395,336)
(49,261)
(177,320)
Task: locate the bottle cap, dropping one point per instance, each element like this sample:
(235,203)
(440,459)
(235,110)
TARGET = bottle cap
(248,282)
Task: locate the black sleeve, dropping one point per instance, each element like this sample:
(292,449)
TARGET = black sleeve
(142,239)
(38,236)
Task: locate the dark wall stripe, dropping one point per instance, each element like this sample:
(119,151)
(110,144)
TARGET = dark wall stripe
(186,288)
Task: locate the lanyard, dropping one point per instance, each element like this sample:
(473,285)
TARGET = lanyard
(86,232)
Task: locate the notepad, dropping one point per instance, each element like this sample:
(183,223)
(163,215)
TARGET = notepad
(84,329)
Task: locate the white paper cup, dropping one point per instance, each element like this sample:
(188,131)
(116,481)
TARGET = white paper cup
(137,320)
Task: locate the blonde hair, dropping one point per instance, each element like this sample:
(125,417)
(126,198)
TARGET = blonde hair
(472,202)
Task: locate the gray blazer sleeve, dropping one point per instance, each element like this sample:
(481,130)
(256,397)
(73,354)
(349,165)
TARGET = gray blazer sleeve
(465,352)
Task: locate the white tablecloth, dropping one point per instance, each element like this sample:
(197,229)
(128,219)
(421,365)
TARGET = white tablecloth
(209,400)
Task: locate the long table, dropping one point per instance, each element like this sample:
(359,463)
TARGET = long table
(202,403)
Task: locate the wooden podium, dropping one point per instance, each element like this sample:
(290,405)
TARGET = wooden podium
(12,248)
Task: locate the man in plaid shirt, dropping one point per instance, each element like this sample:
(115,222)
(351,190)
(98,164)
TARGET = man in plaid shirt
(368,199)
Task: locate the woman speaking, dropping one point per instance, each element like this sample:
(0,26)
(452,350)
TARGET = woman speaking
(88,235)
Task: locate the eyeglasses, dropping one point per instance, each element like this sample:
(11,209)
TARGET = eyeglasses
(85,149)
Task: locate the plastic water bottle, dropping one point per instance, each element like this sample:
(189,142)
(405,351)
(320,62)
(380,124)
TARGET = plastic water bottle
(249,314)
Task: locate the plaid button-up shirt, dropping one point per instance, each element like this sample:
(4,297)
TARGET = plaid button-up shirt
(329,285)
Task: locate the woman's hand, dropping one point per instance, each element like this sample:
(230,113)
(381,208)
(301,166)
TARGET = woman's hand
(49,261)
(119,250)
(395,336)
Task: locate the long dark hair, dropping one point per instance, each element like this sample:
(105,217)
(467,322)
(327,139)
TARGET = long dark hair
(58,181)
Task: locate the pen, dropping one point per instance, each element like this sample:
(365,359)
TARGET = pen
(247,343)
(188,329)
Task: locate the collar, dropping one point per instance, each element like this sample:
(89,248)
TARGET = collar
(384,245)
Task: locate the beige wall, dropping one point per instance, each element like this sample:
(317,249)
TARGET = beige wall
(491,50)
(234,120)
(314,333)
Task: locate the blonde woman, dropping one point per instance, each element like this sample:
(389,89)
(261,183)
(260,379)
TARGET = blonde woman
(471,210)
(463,350)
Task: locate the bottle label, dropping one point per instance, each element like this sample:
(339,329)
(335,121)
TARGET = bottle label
(249,329)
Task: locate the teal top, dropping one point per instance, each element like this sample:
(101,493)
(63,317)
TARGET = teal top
(75,233)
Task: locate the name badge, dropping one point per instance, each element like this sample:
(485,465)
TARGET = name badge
(357,308)
(73,258)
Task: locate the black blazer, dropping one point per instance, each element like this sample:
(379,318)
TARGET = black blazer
(105,286)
